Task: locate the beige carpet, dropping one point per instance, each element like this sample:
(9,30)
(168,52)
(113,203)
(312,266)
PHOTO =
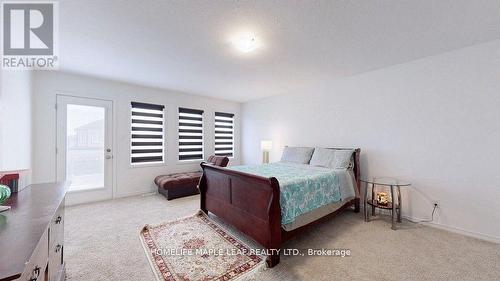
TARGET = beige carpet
(102,243)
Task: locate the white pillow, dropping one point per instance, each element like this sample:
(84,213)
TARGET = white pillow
(342,159)
(322,157)
(300,155)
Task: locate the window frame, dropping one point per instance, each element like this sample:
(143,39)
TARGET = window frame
(233,130)
(163,138)
(191,161)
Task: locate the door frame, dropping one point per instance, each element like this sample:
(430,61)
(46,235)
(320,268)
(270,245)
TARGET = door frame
(95,194)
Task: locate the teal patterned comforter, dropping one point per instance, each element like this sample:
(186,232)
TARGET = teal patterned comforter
(303,187)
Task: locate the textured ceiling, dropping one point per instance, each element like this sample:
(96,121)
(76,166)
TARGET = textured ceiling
(184,45)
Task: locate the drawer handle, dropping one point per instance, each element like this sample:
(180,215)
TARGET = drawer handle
(36,273)
(58,220)
(58,248)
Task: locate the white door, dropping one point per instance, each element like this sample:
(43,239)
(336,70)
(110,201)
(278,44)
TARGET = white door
(84,148)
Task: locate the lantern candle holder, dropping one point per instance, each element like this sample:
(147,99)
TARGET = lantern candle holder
(383,198)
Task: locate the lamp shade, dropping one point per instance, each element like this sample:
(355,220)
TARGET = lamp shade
(266,145)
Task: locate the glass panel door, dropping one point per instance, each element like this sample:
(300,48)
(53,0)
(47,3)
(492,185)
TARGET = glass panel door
(84,148)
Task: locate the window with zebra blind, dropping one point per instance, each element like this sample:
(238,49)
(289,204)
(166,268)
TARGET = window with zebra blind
(147,145)
(224,134)
(190,134)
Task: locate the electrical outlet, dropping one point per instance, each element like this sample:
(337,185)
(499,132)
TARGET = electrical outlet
(435,203)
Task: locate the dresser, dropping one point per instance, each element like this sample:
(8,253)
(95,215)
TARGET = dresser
(32,234)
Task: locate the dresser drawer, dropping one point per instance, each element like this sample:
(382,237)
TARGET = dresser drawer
(56,261)
(35,269)
(56,245)
(57,225)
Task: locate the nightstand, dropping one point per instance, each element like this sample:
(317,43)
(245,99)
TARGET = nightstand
(393,205)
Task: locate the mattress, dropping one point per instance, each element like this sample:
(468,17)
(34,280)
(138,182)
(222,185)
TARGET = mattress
(304,189)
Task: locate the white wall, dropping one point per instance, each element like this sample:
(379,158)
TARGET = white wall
(129,180)
(15,120)
(433,121)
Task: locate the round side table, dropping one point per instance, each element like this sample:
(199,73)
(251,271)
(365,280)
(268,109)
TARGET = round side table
(395,207)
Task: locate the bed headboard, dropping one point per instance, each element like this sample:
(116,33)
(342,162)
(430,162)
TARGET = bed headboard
(356,169)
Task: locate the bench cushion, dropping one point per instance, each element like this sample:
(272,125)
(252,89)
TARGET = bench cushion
(178,180)
(178,185)
(185,184)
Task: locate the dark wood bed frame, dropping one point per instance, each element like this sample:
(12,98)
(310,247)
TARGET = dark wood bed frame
(251,204)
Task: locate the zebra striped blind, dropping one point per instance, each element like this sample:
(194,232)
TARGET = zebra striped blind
(146,133)
(190,134)
(224,134)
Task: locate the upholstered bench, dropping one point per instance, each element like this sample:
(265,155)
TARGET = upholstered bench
(184,184)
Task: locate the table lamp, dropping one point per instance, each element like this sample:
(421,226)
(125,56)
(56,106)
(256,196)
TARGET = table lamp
(266,146)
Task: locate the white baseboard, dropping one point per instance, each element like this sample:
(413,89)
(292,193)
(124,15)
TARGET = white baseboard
(477,235)
(135,193)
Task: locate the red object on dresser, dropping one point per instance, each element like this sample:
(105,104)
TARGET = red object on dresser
(10,180)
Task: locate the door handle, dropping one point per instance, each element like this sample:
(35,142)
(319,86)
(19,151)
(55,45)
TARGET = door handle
(109,156)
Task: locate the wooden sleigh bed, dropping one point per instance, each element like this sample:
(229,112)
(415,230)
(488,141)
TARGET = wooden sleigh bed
(251,204)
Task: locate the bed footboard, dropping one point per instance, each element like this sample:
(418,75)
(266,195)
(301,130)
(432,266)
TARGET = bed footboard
(248,202)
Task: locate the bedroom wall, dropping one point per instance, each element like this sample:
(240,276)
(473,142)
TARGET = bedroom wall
(15,122)
(128,180)
(433,121)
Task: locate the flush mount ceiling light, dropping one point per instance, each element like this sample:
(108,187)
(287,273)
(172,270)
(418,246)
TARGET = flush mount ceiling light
(245,43)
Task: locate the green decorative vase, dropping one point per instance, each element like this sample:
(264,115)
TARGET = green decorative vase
(4,193)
